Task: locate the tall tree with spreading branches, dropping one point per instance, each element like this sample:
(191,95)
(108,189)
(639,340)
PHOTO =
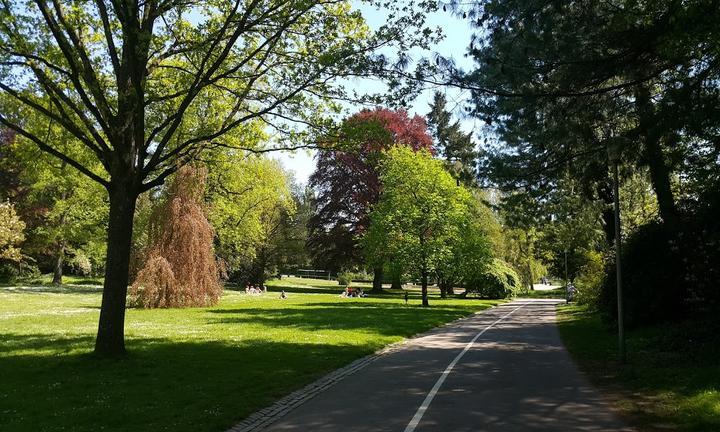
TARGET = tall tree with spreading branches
(147,86)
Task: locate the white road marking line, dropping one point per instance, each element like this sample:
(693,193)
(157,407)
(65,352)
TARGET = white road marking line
(428,399)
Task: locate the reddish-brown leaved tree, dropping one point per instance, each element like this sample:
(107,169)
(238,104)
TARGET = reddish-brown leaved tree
(180,268)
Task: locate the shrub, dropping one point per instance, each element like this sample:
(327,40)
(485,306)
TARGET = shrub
(590,279)
(668,272)
(498,281)
(345,278)
(81,264)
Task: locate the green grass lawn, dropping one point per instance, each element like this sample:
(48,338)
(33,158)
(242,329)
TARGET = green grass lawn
(557,293)
(671,380)
(199,369)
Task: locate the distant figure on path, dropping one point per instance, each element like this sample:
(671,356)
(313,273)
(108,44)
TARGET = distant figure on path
(406,298)
(571,291)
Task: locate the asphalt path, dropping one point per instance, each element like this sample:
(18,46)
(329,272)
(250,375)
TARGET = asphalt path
(504,369)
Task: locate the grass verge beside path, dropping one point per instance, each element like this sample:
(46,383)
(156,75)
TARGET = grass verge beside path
(671,380)
(197,369)
(557,293)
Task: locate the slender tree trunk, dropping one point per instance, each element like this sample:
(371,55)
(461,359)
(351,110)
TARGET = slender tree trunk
(110,340)
(605,193)
(449,290)
(59,263)
(377,279)
(60,253)
(424,285)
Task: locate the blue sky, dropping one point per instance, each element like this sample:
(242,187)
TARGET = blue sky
(457,37)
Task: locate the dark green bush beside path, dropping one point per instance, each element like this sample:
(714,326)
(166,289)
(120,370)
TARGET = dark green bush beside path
(197,369)
(671,380)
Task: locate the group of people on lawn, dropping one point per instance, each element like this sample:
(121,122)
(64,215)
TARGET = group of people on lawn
(350,292)
(252,289)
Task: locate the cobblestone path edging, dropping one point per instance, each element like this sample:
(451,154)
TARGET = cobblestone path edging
(266,416)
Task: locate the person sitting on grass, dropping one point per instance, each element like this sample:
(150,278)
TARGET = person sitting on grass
(283,296)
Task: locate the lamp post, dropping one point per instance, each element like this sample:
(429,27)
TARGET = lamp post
(614,158)
(566,270)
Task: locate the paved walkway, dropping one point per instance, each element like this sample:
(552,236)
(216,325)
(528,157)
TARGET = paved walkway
(501,370)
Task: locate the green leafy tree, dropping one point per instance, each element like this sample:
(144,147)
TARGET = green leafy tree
(66,214)
(420,214)
(11,233)
(470,252)
(249,196)
(146,87)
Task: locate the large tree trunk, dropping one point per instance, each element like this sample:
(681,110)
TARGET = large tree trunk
(59,263)
(654,158)
(110,340)
(660,179)
(396,283)
(424,285)
(377,279)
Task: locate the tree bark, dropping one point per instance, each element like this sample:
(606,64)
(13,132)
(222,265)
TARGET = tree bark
(424,285)
(654,158)
(59,263)
(377,279)
(110,340)
(606,195)
(396,282)
(660,179)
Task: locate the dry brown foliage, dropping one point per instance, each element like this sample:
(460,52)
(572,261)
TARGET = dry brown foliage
(180,268)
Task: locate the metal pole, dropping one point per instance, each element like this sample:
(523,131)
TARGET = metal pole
(618,250)
(566,270)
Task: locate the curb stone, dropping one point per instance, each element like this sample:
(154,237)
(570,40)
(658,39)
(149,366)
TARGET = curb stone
(260,419)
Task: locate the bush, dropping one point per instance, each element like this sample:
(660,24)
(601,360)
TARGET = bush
(498,281)
(345,278)
(81,265)
(668,273)
(590,279)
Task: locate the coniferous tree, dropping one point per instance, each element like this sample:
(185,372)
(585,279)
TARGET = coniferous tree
(451,143)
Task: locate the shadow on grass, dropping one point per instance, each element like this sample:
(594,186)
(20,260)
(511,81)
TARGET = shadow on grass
(383,319)
(160,385)
(671,378)
(53,289)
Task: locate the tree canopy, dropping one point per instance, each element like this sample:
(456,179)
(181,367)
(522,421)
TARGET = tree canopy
(420,219)
(347,181)
(146,87)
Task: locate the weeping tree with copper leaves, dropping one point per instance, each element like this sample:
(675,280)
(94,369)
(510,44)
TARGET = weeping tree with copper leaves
(147,86)
(180,268)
